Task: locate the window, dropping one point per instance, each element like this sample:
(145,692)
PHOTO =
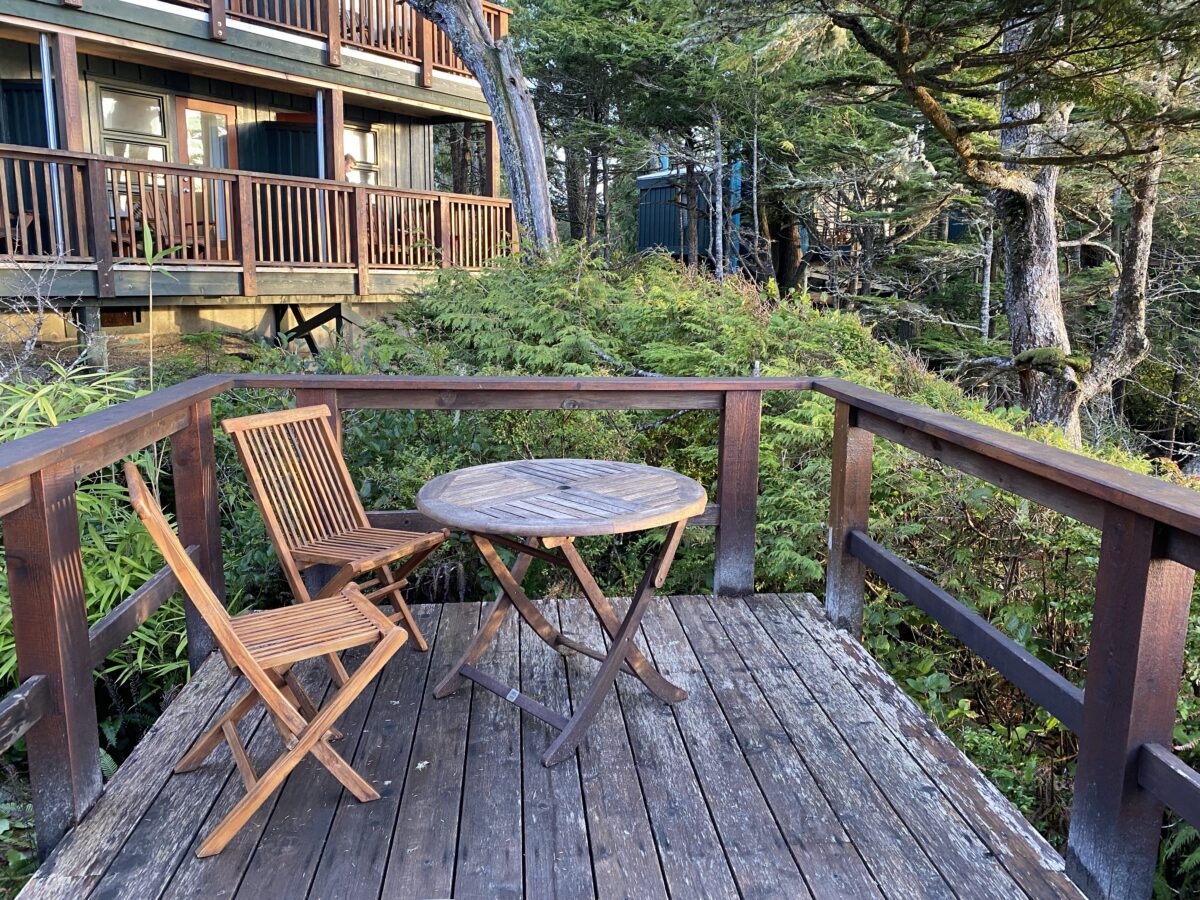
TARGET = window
(133,125)
(362,155)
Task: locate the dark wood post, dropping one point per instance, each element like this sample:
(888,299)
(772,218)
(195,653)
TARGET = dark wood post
(198,512)
(362,237)
(737,493)
(66,93)
(491,170)
(45,580)
(333,31)
(333,123)
(247,245)
(425,51)
(328,396)
(849,508)
(217,28)
(1135,662)
(99,228)
(445,233)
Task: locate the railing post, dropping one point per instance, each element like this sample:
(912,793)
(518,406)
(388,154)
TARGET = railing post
(445,233)
(247,248)
(328,396)
(217,28)
(45,580)
(333,31)
(198,512)
(849,508)
(1135,662)
(737,493)
(99,230)
(362,237)
(425,40)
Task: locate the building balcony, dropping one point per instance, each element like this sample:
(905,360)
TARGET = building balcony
(221,232)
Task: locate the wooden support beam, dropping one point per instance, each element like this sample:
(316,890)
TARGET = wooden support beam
(491,169)
(425,43)
(1135,663)
(67,104)
(22,709)
(247,246)
(362,235)
(737,493)
(45,580)
(333,32)
(99,229)
(198,512)
(333,124)
(445,233)
(217,28)
(849,505)
(328,397)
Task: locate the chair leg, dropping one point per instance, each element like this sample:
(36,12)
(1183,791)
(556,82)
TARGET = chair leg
(274,776)
(294,691)
(410,623)
(212,738)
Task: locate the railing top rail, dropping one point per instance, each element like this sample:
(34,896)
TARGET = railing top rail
(78,157)
(1170,504)
(519,383)
(88,434)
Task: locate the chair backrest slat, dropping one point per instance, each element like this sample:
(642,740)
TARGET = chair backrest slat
(194,584)
(201,594)
(297,474)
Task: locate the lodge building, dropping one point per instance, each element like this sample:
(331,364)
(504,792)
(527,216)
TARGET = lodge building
(279,153)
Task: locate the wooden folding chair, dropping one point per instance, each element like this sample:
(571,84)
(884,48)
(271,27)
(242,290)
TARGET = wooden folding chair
(263,647)
(314,515)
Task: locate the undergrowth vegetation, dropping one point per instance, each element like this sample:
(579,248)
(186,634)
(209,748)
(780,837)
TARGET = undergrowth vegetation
(1028,570)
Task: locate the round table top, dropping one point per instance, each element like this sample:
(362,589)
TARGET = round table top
(560,498)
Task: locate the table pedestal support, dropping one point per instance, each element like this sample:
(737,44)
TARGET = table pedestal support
(622,656)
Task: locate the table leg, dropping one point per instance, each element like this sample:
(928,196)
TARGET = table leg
(645,672)
(491,625)
(620,651)
(512,587)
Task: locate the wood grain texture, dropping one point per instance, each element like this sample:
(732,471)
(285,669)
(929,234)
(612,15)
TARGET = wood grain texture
(560,497)
(795,768)
(737,492)
(849,506)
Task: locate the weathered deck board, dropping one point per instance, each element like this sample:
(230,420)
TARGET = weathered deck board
(795,768)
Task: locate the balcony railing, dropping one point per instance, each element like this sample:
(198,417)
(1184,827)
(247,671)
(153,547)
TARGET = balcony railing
(82,208)
(1124,717)
(389,27)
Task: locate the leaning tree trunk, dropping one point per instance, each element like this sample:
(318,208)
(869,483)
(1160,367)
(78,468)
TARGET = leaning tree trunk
(1037,327)
(494,63)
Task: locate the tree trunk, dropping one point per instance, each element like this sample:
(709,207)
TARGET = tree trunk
(593,195)
(495,66)
(718,198)
(1127,343)
(691,190)
(460,158)
(575,177)
(985,298)
(1037,327)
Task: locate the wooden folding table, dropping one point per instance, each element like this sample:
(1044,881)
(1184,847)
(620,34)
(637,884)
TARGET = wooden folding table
(549,503)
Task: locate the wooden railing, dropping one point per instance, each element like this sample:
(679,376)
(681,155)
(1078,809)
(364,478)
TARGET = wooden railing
(40,203)
(83,208)
(1151,545)
(388,27)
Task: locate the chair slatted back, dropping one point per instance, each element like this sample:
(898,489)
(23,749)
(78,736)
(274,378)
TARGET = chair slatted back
(197,587)
(297,474)
(194,584)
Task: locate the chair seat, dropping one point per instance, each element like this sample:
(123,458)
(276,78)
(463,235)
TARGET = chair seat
(276,637)
(365,542)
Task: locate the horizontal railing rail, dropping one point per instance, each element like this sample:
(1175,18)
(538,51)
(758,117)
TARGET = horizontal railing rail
(387,27)
(107,211)
(1124,714)
(1150,547)
(54,707)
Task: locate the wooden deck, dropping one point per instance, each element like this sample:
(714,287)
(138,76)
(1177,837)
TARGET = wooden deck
(796,768)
